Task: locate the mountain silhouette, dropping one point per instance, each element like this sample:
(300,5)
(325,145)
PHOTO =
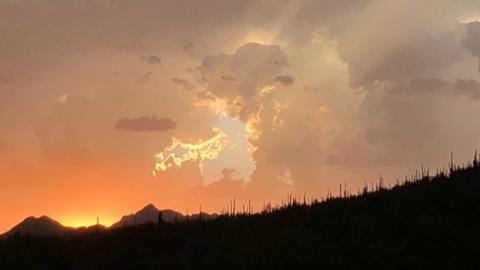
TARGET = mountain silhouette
(203,216)
(424,222)
(46,226)
(41,226)
(148,214)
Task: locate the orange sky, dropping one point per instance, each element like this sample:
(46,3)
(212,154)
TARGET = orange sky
(302,95)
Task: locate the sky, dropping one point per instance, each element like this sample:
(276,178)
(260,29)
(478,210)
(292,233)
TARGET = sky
(106,106)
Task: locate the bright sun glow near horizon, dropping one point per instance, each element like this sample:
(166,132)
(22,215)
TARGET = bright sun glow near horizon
(85,221)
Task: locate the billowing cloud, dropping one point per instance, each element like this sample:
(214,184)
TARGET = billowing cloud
(179,152)
(242,78)
(145,123)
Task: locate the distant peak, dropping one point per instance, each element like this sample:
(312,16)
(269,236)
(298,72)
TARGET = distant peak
(42,225)
(150,207)
(41,218)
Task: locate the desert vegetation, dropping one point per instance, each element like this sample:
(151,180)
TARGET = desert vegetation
(424,221)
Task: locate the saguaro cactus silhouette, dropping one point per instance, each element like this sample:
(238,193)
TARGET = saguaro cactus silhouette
(475,160)
(160,220)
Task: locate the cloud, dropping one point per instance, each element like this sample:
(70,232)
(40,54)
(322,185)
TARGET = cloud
(400,118)
(471,39)
(186,84)
(240,78)
(417,58)
(6,76)
(418,86)
(180,152)
(144,78)
(153,60)
(389,84)
(228,78)
(411,123)
(145,123)
(427,86)
(188,45)
(285,79)
(62,98)
(225,186)
(469,88)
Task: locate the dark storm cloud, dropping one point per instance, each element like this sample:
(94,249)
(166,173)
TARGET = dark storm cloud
(406,61)
(285,79)
(471,39)
(145,123)
(228,78)
(186,84)
(418,86)
(153,60)
(403,121)
(469,88)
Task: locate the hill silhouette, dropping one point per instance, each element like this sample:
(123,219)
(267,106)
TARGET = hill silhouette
(41,226)
(423,223)
(149,214)
(46,226)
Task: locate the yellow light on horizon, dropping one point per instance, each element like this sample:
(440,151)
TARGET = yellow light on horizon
(85,221)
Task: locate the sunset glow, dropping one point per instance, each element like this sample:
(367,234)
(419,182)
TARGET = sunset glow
(107,106)
(78,221)
(239,134)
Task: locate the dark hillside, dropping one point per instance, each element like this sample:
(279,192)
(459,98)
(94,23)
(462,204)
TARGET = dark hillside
(427,223)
